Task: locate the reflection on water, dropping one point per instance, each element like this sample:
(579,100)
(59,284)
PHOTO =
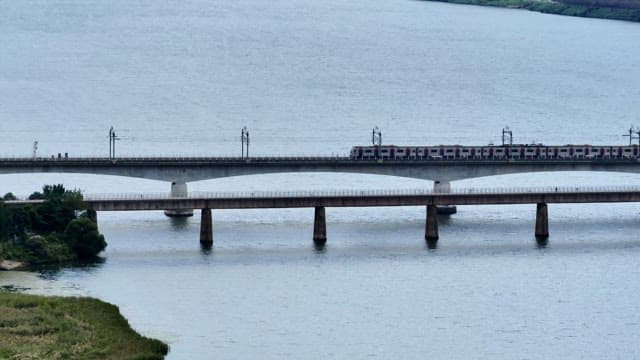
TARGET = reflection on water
(179,222)
(264,283)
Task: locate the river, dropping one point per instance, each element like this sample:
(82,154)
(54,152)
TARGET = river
(314,77)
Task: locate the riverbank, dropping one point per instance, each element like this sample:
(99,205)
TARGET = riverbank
(36,327)
(593,9)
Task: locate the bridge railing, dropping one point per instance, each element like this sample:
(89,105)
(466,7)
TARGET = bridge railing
(136,158)
(364,193)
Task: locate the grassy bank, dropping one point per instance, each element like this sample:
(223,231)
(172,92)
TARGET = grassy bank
(36,327)
(591,9)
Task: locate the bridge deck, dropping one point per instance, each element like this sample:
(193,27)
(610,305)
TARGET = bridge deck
(248,200)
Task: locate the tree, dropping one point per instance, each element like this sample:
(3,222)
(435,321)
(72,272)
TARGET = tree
(58,209)
(83,236)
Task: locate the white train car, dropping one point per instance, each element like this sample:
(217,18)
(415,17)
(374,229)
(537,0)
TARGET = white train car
(490,152)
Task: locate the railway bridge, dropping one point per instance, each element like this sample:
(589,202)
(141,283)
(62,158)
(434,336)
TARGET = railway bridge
(179,171)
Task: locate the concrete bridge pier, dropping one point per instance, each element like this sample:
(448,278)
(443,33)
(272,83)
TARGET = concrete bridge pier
(319,227)
(431,228)
(179,190)
(206,228)
(542,223)
(444,187)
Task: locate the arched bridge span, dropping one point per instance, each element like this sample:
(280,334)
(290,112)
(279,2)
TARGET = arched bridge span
(183,170)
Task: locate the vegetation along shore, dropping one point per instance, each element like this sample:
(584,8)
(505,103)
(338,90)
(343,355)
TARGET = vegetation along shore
(628,10)
(36,327)
(55,231)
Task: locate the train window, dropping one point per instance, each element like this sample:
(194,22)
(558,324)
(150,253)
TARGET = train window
(578,150)
(434,150)
(563,150)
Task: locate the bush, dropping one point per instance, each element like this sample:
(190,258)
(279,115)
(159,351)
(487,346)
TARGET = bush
(37,245)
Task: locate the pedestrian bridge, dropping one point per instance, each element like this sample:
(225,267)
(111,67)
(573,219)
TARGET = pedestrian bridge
(319,200)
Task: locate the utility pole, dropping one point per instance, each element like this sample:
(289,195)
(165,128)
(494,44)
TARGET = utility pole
(35,149)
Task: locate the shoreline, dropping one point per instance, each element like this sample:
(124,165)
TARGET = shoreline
(9,265)
(558,8)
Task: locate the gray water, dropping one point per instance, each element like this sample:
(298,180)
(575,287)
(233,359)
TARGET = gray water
(309,77)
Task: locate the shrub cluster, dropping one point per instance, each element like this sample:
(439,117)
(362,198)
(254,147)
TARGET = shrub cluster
(52,231)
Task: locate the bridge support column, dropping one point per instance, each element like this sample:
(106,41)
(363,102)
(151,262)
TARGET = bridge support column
(542,222)
(320,226)
(431,228)
(444,187)
(179,189)
(206,228)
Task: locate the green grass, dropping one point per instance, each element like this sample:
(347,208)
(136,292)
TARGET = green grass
(36,327)
(559,8)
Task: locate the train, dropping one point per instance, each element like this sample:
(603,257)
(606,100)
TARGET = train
(495,152)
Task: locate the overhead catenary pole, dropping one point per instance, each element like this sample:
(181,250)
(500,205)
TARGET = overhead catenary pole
(507,133)
(242,142)
(633,130)
(110,143)
(376,136)
(244,139)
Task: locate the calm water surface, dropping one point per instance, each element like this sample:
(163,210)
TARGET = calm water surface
(311,77)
